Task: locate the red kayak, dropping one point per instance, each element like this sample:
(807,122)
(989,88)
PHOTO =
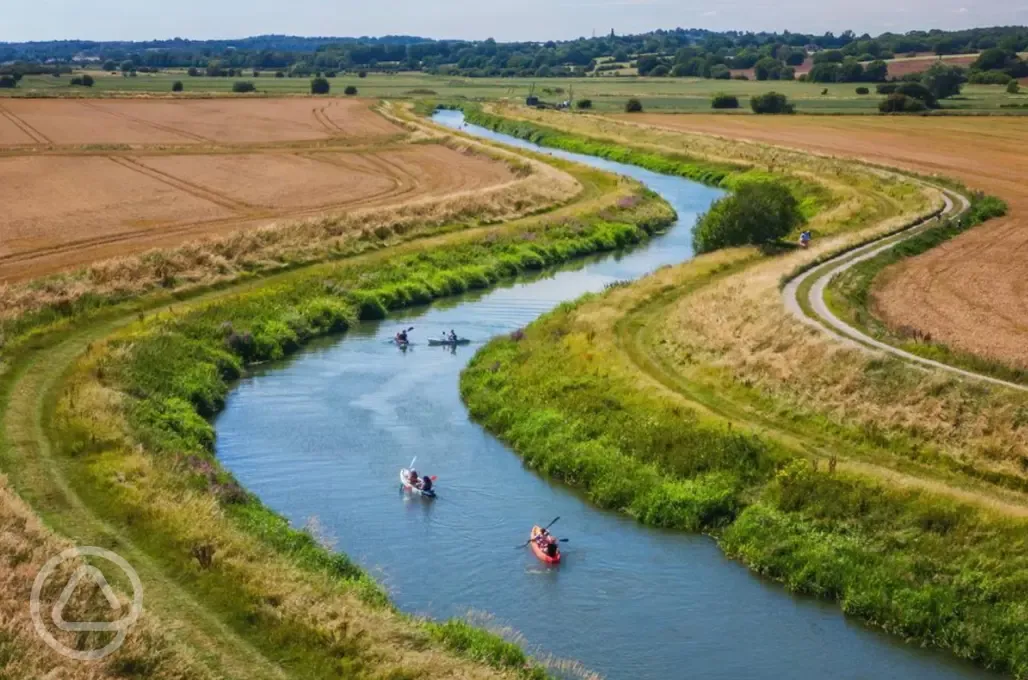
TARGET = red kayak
(539,551)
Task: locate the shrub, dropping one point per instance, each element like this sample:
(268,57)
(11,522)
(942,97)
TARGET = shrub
(193,72)
(758,213)
(330,74)
(771,102)
(320,86)
(886,88)
(720,72)
(943,80)
(724,101)
(990,78)
(901,103)
(8,82)
(918,91)
(584,103)
(241,86)
(256,73)
(75,81)
(633,106)
(659,71)
(350,90)
(1013,87)
(177,86)
(863,90)
(280,74)
(362,74)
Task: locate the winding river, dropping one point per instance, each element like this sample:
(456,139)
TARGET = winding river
(324,434)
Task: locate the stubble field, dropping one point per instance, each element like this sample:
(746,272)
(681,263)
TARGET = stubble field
(969,293)
(90,180)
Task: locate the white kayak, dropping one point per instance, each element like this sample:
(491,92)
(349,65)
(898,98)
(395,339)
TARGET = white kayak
(407,486)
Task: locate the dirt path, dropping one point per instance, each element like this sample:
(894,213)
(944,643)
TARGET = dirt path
(970,293)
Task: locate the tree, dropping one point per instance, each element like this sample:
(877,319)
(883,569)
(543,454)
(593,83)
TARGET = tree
(918,91)
(767,68)
(633,106)
(944,81)
(863,90)
(193,72)
(320,86)
(720,72)
(824,73)
(850,71)
(256,73)
(584,103)
(901,103)
(241,86)
(362,74)
(660,71)
(75,81)
(280,74)
(7,82)
(724,101)
(647,64)
(1013,87)
(829,57)
(350,90)
(110,65)
(876,72)
(177,86)
(87,80)
(127,66)
(771,102)
(758,213)
(993,59)
(796,58)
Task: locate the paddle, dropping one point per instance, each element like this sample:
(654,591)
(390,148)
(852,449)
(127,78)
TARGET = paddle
(519,547)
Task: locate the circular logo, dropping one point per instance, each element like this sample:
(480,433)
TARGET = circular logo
(86,573)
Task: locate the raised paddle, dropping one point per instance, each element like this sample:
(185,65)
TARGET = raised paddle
(519,547)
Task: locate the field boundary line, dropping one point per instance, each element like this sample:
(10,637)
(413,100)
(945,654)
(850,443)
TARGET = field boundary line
(35,135)
(186,186)
(148,123)
(827,322)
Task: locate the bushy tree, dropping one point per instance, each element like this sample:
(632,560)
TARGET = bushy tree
(320,86)
(193,72)
(660,71)
(633,106)
(76,81)
(767,68)
(863,90)
(177,86)
(87,80)
(646,64)
(943,80)
(758,213)
(350,90)
(918,91)
(1013,87)
(280,74)
(898,102)
(241,86)
(724,101)
(850,71)
(110,65)
(825,72)
(876,72)
(127,66)
(720,72)
(584,103)
(7,82)
(362,74)
(771,102)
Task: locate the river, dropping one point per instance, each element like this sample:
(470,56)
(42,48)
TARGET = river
(325,433)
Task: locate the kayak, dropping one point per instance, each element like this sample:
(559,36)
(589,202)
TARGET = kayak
(449,343)
(539,552)
(407,486)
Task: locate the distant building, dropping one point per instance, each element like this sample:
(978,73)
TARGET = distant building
(812,48)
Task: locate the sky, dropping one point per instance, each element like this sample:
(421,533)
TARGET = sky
(479,19)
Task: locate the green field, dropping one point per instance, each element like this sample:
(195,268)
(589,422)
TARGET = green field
(607,93)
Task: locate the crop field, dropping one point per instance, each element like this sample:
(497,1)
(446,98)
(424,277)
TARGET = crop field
(969,293)
(608,93)
(119,177)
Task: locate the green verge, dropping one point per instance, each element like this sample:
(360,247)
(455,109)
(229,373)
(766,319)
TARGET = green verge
(812,197)
(917,565)
(173,372)
(849,295)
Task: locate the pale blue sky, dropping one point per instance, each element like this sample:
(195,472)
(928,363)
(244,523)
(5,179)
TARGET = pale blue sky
(503,20)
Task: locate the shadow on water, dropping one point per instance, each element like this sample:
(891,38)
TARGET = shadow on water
(325,434)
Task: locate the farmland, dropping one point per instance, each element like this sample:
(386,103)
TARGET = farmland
(969,293)
(89,180)
(608,93)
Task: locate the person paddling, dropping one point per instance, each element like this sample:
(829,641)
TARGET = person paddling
(401,337)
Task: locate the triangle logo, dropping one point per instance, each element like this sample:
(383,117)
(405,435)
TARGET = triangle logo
(96,576)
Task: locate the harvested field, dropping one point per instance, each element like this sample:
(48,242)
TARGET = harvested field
(222,121)
(65,211)
(970,293)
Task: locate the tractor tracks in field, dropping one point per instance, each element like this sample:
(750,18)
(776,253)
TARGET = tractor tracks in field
(35,135)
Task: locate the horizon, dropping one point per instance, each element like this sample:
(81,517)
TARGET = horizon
(121,21)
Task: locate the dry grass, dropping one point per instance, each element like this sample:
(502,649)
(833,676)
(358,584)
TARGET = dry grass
(969,293)
(25,546)
(533,186)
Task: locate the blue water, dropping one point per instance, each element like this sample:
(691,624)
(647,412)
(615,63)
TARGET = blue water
(325,434)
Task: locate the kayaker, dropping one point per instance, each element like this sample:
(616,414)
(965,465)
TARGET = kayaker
(426,483)
(401,337)
(453,336)
(413,479)
(551,546)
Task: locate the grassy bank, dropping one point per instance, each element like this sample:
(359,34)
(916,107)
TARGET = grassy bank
(851,294)
(130,433)
(917,564)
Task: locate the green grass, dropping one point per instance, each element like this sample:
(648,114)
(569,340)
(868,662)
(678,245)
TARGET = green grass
(920,566)
(609,94)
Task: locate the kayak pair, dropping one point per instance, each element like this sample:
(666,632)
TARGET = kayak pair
(410,481)
(544,545)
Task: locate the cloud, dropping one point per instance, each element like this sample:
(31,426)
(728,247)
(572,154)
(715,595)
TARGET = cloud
(711,13)
(962,10)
